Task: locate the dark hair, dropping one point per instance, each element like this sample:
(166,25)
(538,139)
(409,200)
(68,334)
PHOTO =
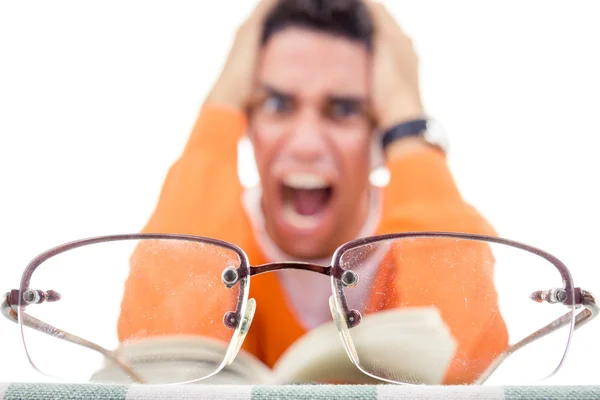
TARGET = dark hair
(347,18)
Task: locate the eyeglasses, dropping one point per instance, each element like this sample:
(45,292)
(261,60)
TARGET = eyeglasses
(417,308)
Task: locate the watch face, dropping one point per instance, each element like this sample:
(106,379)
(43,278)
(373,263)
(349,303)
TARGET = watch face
(435,135)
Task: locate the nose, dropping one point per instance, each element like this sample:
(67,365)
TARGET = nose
(306,141)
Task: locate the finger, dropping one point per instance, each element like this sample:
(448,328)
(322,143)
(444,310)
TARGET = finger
(262,9)
(380,14)
(251,26)
(384,21)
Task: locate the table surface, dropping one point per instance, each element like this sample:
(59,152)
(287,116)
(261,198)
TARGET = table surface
(26,391)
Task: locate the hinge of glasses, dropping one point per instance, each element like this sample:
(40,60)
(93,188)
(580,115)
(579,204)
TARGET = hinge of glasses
(32,296)
(557,295)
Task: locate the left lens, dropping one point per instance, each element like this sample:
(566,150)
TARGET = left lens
(155,305)
(444,309)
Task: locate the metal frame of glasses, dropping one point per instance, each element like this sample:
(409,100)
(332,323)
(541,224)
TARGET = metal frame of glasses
(16,301)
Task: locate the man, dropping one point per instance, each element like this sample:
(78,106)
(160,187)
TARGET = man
(314,84)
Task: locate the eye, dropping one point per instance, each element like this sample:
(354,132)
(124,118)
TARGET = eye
(277,104)
(341,109)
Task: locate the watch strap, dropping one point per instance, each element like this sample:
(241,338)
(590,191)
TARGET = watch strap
(413,128)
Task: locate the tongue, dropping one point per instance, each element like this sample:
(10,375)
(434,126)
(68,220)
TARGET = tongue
(309,202)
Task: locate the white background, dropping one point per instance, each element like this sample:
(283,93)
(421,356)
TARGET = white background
(97,100)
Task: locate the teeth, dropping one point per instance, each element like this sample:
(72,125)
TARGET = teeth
(305,181)
(298,220)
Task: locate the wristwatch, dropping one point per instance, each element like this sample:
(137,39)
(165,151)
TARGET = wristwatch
(428,129)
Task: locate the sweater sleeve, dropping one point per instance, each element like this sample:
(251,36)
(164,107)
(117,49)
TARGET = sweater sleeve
(456,277)
(422,195)
(175,287)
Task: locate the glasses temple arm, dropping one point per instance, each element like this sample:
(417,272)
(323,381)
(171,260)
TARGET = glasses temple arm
(589,312)
(8,310)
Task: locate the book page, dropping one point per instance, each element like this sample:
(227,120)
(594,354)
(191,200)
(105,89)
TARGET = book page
(414,343)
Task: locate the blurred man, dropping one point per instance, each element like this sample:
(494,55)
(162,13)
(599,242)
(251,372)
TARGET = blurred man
(315,84)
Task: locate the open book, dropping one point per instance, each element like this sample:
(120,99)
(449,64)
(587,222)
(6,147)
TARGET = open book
(414,342)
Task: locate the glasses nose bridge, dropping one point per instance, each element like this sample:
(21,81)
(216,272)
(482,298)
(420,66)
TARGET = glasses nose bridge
(345,278)
(297,265)
(232,276)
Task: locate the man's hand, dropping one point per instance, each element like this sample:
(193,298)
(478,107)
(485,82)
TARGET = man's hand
(396,93)
(234,85)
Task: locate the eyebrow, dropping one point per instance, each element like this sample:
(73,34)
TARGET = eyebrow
(277,92)
(336,98)
(358,100)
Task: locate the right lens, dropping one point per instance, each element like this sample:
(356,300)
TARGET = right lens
(155,304)
(443,309)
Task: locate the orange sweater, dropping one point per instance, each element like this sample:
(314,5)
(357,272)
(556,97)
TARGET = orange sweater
(202,196)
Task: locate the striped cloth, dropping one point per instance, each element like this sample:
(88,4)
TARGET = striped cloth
(28,391)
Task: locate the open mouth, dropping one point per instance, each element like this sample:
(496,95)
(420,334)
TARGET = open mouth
(305,198)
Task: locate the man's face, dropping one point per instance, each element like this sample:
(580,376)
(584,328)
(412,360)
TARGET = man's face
(311,133)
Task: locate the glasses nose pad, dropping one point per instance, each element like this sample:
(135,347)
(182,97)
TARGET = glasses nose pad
(343,331)
(244,327)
